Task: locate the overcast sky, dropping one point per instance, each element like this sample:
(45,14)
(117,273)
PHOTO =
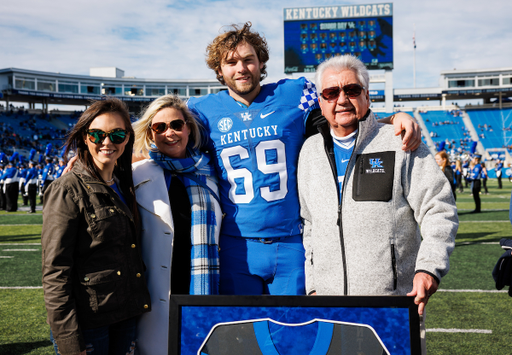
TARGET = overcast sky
(167,39)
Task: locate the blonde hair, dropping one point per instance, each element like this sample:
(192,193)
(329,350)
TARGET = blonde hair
(142,128)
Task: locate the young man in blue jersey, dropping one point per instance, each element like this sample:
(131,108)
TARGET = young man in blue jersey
(256,132)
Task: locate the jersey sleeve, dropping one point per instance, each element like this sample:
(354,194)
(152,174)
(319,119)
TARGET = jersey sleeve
(203,121)
(309,105)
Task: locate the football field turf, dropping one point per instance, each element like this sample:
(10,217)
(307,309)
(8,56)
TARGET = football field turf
(466,316)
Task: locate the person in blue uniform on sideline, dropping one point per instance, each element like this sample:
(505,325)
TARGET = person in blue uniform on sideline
(11,186)
(476,184)
(510,209)
(498,168)
(47,176)
(22,173)
(2,194)
(255,135)
(31,186)
(466,172)
(484,178)
(60,168)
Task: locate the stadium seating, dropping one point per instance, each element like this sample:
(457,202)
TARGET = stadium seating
(21,130)
(493,127)
(448,127)
(18,129)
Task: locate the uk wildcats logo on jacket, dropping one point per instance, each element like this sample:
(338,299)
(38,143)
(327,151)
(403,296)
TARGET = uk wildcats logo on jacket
(376,166)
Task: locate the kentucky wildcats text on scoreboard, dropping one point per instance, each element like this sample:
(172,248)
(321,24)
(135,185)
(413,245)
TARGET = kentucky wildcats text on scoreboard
(313,34)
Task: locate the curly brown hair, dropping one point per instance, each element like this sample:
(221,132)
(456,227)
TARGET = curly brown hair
(223,44)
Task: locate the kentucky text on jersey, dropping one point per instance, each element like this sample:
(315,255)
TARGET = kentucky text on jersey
(243,135)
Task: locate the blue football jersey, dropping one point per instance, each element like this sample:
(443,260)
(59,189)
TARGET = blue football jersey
(476,172)
(317,337)
(256,150)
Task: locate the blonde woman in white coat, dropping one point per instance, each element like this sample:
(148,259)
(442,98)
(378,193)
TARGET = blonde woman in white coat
(175,185)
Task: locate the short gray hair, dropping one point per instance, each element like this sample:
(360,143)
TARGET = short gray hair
(340,63)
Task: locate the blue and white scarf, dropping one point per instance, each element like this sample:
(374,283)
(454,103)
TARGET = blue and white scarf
(194,171)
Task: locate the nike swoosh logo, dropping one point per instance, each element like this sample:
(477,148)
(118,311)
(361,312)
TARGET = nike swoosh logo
(344,160)
(268,114)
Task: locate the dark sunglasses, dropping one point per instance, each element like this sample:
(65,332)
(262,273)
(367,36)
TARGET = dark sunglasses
(116,136)
(161,127)
(351,90)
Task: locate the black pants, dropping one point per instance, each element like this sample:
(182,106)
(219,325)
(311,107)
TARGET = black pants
(477,185)
(32,194)
(500,186)
(2,197)
(459,182)
(484,183)
(11,196)
(24,194)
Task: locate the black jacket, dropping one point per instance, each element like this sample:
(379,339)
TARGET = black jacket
(93,273)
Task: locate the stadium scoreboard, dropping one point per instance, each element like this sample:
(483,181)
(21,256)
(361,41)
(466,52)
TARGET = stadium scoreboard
(314,34)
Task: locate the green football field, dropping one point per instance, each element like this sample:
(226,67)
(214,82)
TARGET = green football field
(466,316)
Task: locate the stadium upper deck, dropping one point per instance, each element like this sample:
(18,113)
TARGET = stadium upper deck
(21,85)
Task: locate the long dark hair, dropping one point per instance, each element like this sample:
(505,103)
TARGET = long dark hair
(123,168)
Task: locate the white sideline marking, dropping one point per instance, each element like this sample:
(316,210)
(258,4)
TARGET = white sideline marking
(4,244)
(6,257)
(475,243)
(19,287)
(452,330)
(479,291)
(502,221)
(19,225)
(20,249)
(469,209)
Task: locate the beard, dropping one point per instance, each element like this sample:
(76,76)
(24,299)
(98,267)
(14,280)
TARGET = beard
(243,88)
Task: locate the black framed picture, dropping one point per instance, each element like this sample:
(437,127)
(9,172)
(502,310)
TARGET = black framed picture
(310,325)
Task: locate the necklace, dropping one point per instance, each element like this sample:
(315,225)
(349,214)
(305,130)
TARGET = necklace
(109,181)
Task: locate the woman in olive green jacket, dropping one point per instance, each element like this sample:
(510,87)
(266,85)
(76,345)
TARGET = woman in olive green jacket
(93,274)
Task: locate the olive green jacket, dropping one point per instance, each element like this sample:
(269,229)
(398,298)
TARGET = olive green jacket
(93,273)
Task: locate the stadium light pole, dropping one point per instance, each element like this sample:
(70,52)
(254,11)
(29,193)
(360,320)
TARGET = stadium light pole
(414,51)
